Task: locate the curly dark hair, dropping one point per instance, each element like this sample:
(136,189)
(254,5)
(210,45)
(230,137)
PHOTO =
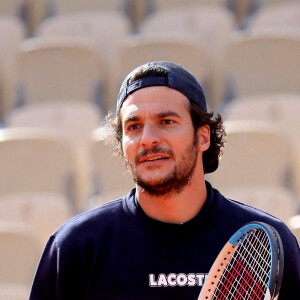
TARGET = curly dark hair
(113,126)
(217,135)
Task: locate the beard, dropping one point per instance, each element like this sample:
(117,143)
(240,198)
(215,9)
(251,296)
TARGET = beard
(176,179)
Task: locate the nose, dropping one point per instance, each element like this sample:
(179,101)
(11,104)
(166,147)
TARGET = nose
(150,136)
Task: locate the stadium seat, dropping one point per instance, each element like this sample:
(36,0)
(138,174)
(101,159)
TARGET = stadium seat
(74,120)
(294,225)
(108,174)
(138,10)
(14,291)
(30,12)
(281,110)
(169,4)
(66,6)
(255,155)
(105,30)
(37,161)
(20,251)
(144,48)
(44,212)
(59,68)
(211,25)
(262,64)
(243,11)
(282,18)
(12,7)
(265,3)
(12,33)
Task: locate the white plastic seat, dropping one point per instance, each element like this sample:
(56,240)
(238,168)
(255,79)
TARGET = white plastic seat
(20,251)
(12,33)
(262,64)
(243,10)
(211,25)
(66,6)
(35,161)
(255,154)
(284,17)
(169,4)
(30,12)
(74,121)
(294,224)
(60,69)
(44,212)
(12,7)
(109,175)
(105,30)
(186,52)
(14,291)
(281,110)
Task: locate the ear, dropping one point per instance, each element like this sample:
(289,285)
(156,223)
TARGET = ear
(203,137)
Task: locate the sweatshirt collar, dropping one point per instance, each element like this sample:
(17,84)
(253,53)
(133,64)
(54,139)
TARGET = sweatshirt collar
(201,221)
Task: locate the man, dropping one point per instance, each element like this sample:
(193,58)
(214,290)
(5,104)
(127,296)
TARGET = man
(160,240)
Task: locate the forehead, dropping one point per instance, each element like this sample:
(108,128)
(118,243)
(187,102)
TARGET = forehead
(154,100)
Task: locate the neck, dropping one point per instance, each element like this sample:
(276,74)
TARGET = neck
(174,207)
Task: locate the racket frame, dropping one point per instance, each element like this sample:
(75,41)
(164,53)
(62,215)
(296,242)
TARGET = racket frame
(224,257)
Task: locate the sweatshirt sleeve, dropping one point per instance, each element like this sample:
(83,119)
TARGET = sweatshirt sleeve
(54,278)
(46,278)
(290,288)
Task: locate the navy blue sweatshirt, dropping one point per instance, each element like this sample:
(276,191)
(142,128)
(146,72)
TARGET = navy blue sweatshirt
(116,252)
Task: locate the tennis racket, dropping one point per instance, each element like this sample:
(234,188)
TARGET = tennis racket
(249,267)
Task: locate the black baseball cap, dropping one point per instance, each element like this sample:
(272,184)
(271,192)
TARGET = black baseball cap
(177,78)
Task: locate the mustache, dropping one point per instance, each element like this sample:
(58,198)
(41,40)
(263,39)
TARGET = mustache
(153,150)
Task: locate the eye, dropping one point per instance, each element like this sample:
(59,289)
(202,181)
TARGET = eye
(167,122)
(133,127)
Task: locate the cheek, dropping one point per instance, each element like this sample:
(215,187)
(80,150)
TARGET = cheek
(128,147)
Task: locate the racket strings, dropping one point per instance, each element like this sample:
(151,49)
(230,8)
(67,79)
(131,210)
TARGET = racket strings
(232,284)
(243,278)
(246,275)
(260,263)
(260,257)
(239,277)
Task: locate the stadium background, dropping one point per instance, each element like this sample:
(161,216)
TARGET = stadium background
(61,65)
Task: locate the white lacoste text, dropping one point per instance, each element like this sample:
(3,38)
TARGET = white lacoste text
(173,279)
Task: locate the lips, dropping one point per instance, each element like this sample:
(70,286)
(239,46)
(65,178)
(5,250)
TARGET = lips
(153,158)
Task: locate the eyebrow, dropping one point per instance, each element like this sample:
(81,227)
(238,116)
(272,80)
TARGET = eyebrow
(169,113)
(160,115)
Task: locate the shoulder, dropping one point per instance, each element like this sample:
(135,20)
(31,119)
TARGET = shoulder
(242,214)
(90,224)
(236,214)
(243,211)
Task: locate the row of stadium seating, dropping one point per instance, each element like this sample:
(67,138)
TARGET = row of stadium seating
(83,57)
(33,12)
(60,71)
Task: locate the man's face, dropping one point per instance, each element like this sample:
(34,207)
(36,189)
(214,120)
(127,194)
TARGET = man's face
(159,141)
